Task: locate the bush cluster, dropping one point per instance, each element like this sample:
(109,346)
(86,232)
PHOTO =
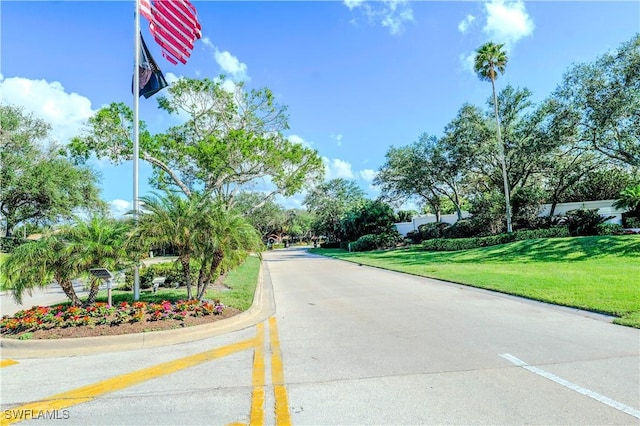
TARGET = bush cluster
(584,222)
(376,241)
(492,240)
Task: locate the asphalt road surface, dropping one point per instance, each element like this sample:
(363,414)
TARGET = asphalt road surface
(349,345)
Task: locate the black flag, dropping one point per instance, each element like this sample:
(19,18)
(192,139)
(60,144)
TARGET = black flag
(151,78)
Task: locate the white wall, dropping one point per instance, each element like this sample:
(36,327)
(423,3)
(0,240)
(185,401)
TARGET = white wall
(405,227)
(605,208)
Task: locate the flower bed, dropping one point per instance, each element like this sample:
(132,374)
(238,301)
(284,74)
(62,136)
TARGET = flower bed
(101,314)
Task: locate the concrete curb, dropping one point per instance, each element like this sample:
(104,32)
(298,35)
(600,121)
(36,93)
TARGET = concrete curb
(262,308)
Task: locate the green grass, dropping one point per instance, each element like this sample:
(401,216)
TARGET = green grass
(242,283)
(600,274)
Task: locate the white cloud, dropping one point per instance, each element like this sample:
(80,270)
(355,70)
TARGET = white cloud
(463,26)
(368,175)
(229,64)
(338,139)
(65,112)
(171,77)
(297,139)
(119,207)
(392,14)
(336,168)
(351,4)
(507,22)
(468,61)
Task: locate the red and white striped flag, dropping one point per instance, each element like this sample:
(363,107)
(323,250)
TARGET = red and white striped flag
(174,25)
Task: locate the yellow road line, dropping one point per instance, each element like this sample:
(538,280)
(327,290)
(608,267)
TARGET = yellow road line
(7,362)
(277,377)
(257,396)
(90,392)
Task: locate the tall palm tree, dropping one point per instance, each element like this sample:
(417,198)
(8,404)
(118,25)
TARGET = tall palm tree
(489,60)
(36,264)
(99,242)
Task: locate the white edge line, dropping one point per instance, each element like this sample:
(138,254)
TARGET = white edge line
(591,394)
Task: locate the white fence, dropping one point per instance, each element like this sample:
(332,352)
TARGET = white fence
(605,208)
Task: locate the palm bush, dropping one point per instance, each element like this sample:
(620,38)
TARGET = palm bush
(629,199)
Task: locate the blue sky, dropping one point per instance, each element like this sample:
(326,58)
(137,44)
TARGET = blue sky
(357,76)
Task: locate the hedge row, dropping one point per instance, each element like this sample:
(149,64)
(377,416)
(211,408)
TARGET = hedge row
(442,244)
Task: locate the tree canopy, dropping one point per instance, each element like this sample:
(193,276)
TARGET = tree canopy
(601,100)
(229,141)
(38,183)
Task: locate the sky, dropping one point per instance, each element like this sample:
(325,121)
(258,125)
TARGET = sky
(357,76)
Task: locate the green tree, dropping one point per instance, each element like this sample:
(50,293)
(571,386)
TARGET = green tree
(489,60)
(299,224)
(226,238)
(171,219)
(408,173)
(601,101)
(370,217)
(602,183)
(329,202)
(68,253)
(38,184)
(267,217)
(200,228)
(629,199)
(37,264)
(230,141)
(99,242)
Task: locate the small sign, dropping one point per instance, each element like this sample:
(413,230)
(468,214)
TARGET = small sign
(101,273)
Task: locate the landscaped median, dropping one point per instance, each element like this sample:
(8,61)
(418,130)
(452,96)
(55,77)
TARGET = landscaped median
(599,274)
(163,310)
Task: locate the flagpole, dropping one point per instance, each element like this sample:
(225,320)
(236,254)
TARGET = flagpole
(136,135)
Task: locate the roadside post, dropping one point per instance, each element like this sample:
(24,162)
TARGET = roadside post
(104,274)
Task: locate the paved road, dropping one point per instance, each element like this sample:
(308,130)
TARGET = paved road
(355,345)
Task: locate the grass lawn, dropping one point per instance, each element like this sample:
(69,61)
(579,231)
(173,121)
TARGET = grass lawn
(242,283)
(600,274)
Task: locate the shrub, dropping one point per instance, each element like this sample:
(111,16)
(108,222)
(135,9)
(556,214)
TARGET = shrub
(584,222)
(376,241)
(334,244)
(492,240)
(414,237)
(464,228)
(365,243)
(429,231)
(610,229)
(630,221)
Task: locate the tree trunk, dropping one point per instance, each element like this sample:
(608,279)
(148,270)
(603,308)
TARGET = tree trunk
(186,270)
(93,291)
(215,263)
(503,162)
(69,291)
(202,276)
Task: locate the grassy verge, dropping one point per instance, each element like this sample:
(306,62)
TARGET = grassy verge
(242,284)
(599,274)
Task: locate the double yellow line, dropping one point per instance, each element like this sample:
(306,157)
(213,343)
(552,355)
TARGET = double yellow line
(283,417)
(88,393)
